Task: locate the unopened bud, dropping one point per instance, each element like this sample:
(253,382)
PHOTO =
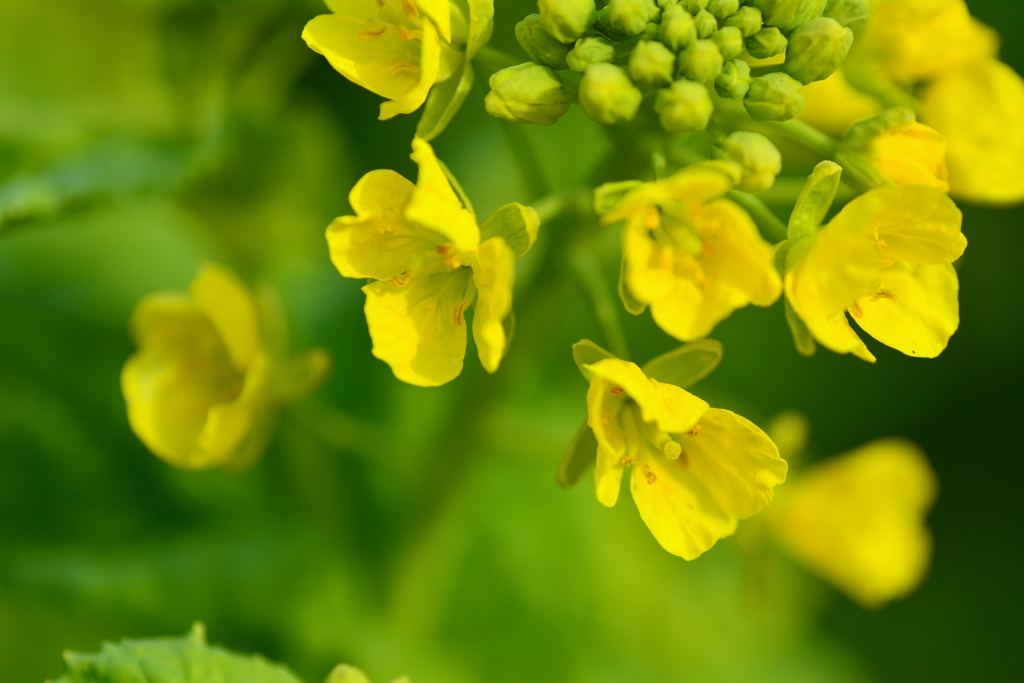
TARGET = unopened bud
(541,45)
(677,29)
(721,9)
(694,6)
(788,14)
(664,4)
(651,64)
(774,97)
(705,23)
(607,94)
(759,158)
(684,106)
(567,20)
(734,81)
(816,49)
(747,20)
(766,43)
(701,62)
(527,93)
(590,50)
(631,16)
(729,41)
(852,14)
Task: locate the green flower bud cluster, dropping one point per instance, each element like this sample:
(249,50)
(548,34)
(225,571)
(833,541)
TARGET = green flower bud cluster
(674,52)
(756,155)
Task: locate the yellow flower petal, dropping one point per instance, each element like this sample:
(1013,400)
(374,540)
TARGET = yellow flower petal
(429,68)
(979,109)
(672,409)
(857,520)
(435,205)
(439,12)
(493,274)
(230,306)
(603,409)
(835,334)
(916,224)
(378,242)
(236,431)
(735,255)
(833,105)
(915,310)
(915,155)
(418,328)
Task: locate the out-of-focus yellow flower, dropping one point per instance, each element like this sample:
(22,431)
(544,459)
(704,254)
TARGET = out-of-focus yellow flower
(696,470)
(858,520)
(690,255)
(399,49)
(430,261)
(833,104)
(886,258)
(210,372)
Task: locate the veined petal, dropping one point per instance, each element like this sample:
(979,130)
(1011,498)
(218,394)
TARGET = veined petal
(493,274)
(916,224)
(736,462)
(230,306)
(677,508)
(916,309)
(425,71)
(603,413)
(418,328)
(435,205)
(378,242)
(672,409)
(857,520)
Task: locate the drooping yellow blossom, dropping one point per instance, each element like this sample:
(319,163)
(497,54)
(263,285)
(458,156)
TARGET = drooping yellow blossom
(858,520)
(430,261)
(689,254)
(886,258)
(399,49)
(210,372)
(696,470)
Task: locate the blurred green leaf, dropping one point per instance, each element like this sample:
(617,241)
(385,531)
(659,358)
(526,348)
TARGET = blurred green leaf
(444,102)
(579,457)
(686,365)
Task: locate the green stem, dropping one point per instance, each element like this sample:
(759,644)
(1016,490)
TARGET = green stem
(572,199)
(526,157)
(587,270)
(493,59)
(808,135)
(762,215)
(341,430)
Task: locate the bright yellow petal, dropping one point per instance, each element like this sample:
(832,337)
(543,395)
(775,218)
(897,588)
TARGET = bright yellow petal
(915,155)
(419,328)
(230,306)
(427,70)
(672,409)
(980,110)
(915,310)
(236,431)
(435,205)
(735,255)
(603,413)
(916,224)
(857,520)
(835,334)
(701,182)
(493,274)
(439,12)
(833,105)
(378,242)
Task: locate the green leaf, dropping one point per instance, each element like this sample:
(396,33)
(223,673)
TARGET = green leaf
(686,365)
(631,305)
(444,102)
(170,660)
(801,335)
(518,225)
(586,352)
(815,200)
(580,457)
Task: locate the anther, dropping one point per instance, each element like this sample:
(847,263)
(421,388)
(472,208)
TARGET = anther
(458,313)
(629,460)
(411,13)
(617,390)
(401,280)
(884,294)
(369,34)
(694,431)
(405,67)
(651,477)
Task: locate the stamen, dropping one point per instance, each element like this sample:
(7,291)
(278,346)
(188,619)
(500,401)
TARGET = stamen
(401,280)
(651,477)
(458,313)
(856,310)
(449,260)
(405,67)
(887,261)
(411,12)
(884,294)
(694,431)
(406,34)
(617,390)
(370,34)
(629,460)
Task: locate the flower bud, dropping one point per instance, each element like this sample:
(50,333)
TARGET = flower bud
(706,23)
(527,93)
(747,20)
(816,49)
(774,97)
(701,62)
(607,94)
(651,64)
(852,14)
(590,50)
(721,9)
(694,6)
(684,106)
(729,41)
(766,43)
(734,81)
(541,45)
(567,20)
(665,4)
(788,14)
(760,159)
(677,29)
(631,16)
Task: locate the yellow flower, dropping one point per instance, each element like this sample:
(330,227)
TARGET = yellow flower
(209,374)
(696,470)
(915,155)
(430,261)
(886,258)
(691,256)
(858,520)
(833,104)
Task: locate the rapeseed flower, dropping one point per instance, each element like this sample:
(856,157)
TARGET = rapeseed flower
(696,470)
(904,151)
(429,261)
(210,372)
(689,254)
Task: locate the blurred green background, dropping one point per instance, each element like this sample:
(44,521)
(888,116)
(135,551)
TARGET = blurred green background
(407,530)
